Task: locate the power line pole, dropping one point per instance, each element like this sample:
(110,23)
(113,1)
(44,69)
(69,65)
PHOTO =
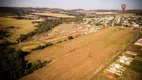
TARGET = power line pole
(88,52)
(72,46)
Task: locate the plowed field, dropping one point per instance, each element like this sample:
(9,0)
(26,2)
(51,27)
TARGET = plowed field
(80,58)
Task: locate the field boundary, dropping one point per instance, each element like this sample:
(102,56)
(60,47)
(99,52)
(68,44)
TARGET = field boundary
(115,57)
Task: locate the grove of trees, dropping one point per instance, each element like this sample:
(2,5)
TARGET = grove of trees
(13,64)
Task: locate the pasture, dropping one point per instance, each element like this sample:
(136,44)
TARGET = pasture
(21,26)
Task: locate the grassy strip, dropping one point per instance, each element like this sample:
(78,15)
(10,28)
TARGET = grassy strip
(136,65)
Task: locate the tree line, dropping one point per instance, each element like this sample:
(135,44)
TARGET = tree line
(13,64)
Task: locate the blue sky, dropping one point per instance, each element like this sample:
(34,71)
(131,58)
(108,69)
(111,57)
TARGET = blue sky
(74,4)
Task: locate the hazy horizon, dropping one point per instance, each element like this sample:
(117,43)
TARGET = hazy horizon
(74,4)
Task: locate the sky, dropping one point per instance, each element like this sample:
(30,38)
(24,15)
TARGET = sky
(74,4)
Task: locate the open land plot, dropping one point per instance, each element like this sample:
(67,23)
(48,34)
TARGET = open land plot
(22,26)
(56,33)
(79,58)
(106,12)
(116,13)
(125,14)
(54,15)
(59,32)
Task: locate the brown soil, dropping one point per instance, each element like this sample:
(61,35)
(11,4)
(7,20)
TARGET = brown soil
(79,58)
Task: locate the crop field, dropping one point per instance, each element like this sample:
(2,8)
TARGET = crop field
(21,26)
(54,15)
(80,58)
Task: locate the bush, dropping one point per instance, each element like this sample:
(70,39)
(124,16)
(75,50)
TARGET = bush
(70,37)
(59,41)
(48,44)
(38,64)
(43,46)
(11,27)
(4,34)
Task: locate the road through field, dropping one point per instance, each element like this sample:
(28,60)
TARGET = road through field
(81,57)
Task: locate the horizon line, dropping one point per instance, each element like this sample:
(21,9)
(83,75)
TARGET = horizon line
(62,8)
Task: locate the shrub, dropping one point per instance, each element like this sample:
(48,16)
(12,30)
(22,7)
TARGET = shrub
(43,46)
(48,44)
(38,64)
(59,41)
(11,27)
(70,37)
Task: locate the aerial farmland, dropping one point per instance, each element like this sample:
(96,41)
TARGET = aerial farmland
(43,43)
